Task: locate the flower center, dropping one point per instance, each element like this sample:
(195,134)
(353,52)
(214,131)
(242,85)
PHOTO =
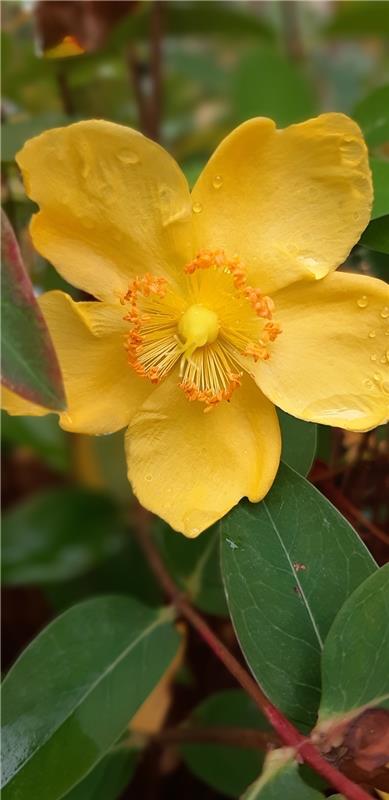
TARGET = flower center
(213,330)
(198,326)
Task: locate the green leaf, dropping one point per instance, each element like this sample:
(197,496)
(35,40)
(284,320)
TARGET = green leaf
(73,690)
(288,564)
(59,534)
(195,565)
(298,442)
(356,651)
(183,19)
(288,97)
(29,363)
(40,434)
(109,778)
(380,172)
(227,769)
(280,779)
(372,114)
(376,235)
(360,18)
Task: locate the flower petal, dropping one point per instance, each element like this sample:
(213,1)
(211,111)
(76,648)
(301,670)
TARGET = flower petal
(191,467)
(113,204)
(330,364)
(102,390)
(291,203)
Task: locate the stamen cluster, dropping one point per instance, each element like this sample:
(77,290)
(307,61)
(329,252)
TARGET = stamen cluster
(212,372)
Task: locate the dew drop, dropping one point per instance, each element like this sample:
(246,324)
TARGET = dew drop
(387,332)
(383,359)
(148,477)
(377,376)
(128,157)
(369,384)
(385,312)
(362,302)
(371,334)
(217,182)
(197,208)
(373,357)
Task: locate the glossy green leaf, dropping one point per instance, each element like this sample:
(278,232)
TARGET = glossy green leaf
(376,235)
(298,442)
(108,779)
(29,363)
(42,435)
(372,114)
(360,18)
(288,97)
(227,769)
(380,172)
(73,690)
(356,651)
(59,534)
(280,780)
(288,564)
(195,565)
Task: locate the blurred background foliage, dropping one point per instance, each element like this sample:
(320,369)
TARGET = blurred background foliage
(185,73)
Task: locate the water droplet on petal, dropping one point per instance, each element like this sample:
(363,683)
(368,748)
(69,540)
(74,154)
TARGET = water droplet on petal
(385,312)
(148,477)
(362,302)
(197,208)
(369,384)
(217,182)
(128,157)
(373,357)
(383,359)
(371,334)
(387,332)
(377,376)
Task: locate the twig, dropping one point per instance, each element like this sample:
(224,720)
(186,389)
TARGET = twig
(135,72)
(288,734)
(235,737)
(292,36)
(156,32)
(65,92)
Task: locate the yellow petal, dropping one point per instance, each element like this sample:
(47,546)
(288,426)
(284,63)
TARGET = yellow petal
(101,388)
(112,204)
(291,203)
(191,467)
(330,364)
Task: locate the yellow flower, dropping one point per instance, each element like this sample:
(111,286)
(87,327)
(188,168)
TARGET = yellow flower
(226,301)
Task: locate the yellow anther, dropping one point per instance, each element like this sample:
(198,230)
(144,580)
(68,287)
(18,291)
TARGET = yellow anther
(197,327)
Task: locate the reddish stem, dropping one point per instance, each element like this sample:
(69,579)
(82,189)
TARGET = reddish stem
(288,734)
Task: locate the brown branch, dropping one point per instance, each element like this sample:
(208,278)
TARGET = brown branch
(288,734)
(134,67)
(247,738)
(156,33)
